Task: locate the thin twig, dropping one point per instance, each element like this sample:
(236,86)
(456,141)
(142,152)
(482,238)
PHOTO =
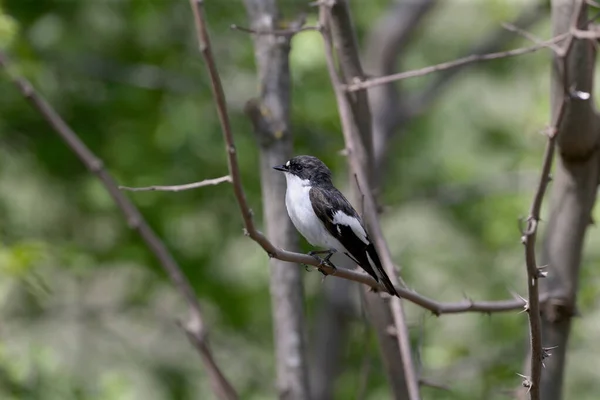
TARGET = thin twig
(179,188)
(434,385)
(274,32)
(527,35)
(452,64)
(195,329)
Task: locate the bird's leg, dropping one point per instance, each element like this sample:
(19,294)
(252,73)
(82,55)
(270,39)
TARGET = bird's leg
(315,252)
(325,260)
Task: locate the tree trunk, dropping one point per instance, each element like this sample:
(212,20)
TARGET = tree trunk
(271,118)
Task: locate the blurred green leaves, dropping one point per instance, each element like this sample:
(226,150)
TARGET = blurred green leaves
(8,29)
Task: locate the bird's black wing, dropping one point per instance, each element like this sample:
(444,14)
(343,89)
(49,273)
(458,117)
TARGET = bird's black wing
(327,202)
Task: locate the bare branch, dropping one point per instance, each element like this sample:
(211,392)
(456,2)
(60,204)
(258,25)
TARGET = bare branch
(358,152)
(434,385)
(512,28)
(195,329)
(452,64)
(274,32)
(179,188)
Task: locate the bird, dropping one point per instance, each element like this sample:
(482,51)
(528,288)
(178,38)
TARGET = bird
(326,219)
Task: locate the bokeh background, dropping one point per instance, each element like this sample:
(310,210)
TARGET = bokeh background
(87,313)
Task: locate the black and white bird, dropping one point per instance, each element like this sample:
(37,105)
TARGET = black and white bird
(326,218)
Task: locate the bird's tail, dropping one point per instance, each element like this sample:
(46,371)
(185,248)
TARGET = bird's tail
(379,271)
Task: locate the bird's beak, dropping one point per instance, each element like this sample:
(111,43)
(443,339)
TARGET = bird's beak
(281,167)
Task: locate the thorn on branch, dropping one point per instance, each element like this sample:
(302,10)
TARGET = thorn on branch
(578,94)
(133,222)
(542,271)
(549,132)
(523,299)
(546,352)
(526,382)
(96,165)
(391,330)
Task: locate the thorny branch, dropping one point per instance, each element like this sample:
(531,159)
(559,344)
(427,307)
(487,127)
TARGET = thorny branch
(436,307)
(534,272)
(195,328)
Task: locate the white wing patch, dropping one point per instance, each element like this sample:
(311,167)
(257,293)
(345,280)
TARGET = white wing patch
(342,218)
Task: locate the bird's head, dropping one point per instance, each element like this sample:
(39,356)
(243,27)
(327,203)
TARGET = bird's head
(306,168)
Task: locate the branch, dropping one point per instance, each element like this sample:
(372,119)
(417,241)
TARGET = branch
(453,64)
(534,272)
(179,188)
(195,328)
(359,153)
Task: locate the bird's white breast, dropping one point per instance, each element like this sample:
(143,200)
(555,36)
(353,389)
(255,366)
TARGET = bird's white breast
(300,210)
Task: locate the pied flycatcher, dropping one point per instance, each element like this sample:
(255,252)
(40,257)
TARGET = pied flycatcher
(325,218)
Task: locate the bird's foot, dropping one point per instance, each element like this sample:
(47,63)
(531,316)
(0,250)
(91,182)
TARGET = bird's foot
(324,262)
(310,268)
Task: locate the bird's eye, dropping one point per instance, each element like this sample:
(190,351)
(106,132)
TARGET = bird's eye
(299,167)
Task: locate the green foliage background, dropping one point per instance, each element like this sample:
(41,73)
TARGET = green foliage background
(88,314)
